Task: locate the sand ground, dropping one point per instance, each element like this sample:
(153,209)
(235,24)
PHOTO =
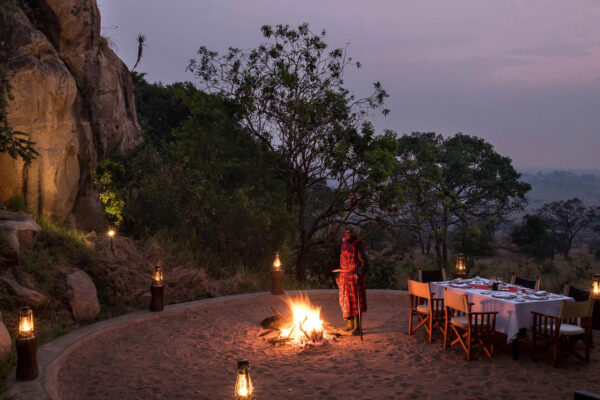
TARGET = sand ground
(193,354)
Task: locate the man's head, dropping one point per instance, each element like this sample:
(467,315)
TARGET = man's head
(349,232)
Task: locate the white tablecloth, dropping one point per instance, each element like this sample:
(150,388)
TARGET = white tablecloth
(512,315)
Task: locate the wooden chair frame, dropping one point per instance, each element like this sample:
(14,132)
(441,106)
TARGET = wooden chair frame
(538,281)
(546,328)
(581,292)
(481,327)
(420,294)
(422,278)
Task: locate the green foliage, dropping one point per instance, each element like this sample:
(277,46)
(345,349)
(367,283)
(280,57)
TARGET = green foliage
(160,108)
(15,143)
(449,182)
(206,182)
(533,238)
(55,246)
(106,175)
(566,220)
(474,239)
(291,97)
(17,203)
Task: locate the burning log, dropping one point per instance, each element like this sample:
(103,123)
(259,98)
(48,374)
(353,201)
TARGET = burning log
(303,328)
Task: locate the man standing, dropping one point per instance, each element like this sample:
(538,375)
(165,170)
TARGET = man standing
(351,281)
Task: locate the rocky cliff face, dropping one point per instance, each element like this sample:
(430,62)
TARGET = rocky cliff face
(74,97)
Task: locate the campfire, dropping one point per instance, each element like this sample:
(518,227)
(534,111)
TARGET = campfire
(304,327)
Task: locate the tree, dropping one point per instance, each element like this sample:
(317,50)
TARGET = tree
(15,143)
(141,39)
(566,219)
(293,100)
(160,108)
(533,238)
(204,184)
(454,181)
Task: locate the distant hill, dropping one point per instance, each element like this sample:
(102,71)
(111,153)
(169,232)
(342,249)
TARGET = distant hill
(554,185)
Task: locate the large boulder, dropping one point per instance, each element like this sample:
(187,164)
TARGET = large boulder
(82,295)
(5,342)
(18,229)
(25,295)
(73,96)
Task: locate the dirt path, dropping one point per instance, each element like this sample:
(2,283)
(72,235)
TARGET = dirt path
(192,355)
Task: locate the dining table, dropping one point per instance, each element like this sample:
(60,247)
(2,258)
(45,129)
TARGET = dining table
(513,304)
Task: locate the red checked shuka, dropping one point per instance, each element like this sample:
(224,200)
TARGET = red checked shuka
(352,260)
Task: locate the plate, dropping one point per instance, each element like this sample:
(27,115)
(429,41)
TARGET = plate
(535,297)
(506,296)
(485,292)
(459,285)
(540,293)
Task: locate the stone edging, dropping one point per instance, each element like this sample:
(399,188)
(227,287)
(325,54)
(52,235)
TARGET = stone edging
(52,354)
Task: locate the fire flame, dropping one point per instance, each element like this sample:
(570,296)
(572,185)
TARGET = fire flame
(25,327)
(307,325)
(277,262)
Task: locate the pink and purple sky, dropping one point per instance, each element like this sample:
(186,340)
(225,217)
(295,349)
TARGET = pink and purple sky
(523,74)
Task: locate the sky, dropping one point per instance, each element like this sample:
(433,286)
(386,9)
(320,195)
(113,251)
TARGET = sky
(523,74)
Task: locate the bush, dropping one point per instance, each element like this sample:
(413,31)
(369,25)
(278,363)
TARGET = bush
(16,204)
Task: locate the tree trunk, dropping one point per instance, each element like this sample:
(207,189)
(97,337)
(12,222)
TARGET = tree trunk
(303,247)
(421,241)
(445,245)
(567,248)
(438,253)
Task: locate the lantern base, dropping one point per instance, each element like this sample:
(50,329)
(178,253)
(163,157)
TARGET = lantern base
(157,301)
(277,282)
(456,275)
(27,366)
(596,315)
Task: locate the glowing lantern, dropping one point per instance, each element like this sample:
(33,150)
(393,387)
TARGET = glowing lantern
(158,275)
(277,262)
(111,233)
(157,289)
(243,385)
(461,264)
(26,343)
(596,287)
(26,323)
(277,277)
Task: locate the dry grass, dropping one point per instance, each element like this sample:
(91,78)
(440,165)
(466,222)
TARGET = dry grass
(125,269)
(555,272)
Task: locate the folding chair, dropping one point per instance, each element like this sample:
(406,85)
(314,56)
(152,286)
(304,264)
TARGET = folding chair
(428,309)
(562,332)
(468,326)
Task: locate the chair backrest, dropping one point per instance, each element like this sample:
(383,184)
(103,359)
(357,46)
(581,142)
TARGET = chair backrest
(528,283)
(419,289)
(576,309)
(458,302)
(576,293)
(435,275)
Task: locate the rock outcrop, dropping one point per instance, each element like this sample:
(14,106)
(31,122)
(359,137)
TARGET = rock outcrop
(25,295)
(18,229)
(5,342)
(73,96)
(82,295)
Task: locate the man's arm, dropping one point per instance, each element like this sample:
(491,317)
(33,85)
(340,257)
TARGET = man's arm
(362,258)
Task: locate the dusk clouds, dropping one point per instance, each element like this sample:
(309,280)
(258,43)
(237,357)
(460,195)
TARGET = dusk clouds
(523,74)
